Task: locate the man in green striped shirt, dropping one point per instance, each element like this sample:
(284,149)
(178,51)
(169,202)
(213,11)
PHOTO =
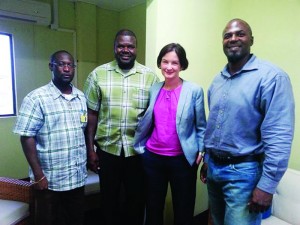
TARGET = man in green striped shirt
(117,95)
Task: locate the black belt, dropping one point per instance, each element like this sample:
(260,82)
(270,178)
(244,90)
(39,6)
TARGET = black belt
(225,158)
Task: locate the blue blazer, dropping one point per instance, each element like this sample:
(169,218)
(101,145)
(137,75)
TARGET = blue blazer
(190,120)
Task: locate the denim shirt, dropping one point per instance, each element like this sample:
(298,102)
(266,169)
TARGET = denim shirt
(253,112)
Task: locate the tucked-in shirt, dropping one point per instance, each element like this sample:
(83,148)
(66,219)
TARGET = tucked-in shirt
(164,138)
(121,98)
(253,112)
(58,125)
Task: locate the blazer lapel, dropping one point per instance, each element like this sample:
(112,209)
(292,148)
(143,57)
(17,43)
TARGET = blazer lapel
(185,90)
(155,91)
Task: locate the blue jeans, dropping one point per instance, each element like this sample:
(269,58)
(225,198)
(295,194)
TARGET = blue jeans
(161,170)
(230,188)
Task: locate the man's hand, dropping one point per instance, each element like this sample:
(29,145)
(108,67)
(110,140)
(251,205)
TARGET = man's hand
(41,185)
(260,201)
(203,173)
(93,161)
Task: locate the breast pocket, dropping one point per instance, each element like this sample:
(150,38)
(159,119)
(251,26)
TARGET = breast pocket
(141,98)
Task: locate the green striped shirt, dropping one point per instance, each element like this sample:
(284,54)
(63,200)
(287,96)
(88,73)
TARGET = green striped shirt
(121,98)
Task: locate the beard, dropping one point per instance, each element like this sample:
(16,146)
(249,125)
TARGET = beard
(125,64)
(234,57)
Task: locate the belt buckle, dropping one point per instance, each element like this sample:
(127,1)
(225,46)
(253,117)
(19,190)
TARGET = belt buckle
(222,158)
(219,157)
(226,159)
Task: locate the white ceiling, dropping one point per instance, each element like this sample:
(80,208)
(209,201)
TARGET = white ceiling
(116,5)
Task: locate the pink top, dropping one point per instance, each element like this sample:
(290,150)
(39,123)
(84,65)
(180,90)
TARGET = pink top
(164,139)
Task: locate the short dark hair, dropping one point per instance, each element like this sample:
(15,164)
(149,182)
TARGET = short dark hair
(54,55)
(179,50)
(125,32)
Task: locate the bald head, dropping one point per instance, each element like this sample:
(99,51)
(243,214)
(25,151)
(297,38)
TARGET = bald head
(237,21)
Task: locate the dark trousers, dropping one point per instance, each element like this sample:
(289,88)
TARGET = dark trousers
(161,170)
(59,207)
(122,189)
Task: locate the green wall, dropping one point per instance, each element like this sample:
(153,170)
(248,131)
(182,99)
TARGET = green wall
(135,19)
(82,29)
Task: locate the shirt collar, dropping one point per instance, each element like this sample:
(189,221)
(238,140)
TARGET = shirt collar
(135,69)
(56,93)
(252,64)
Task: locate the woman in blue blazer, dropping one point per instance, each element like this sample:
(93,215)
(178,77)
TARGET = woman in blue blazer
(170,136)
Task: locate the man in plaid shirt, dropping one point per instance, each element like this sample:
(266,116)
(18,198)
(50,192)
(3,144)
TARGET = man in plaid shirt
(117,94)
(51,123)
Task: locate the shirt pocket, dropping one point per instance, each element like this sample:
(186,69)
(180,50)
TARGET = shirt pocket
(141,98)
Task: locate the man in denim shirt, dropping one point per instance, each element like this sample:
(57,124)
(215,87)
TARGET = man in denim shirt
(249,131)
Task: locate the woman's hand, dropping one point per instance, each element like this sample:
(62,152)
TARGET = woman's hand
(199,158)
(203,173)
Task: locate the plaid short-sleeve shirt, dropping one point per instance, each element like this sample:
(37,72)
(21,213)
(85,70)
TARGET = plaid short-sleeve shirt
(58,125)
(121,98)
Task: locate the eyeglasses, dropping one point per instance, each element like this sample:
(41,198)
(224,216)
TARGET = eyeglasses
(62,65)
